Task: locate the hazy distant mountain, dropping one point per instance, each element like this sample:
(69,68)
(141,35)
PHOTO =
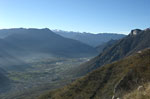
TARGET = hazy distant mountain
(43,41)
(111,81)
(89,38)
(135,41)
(6,32)
(9,55)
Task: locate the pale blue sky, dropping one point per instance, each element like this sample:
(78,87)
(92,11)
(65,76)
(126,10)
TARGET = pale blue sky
(119,16)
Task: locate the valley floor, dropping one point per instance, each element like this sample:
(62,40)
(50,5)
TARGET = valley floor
(41,75)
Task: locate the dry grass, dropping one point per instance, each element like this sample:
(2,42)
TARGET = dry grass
(100,83)
(144,93)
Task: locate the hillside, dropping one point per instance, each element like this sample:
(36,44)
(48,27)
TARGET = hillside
(104,46)
(112,80)
(4,81)
(89,38)
(43,41)
(142,92)
(123,47)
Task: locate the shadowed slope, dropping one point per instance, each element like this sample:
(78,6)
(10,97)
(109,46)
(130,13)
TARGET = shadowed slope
(124,47)
(47,42)
(4,81)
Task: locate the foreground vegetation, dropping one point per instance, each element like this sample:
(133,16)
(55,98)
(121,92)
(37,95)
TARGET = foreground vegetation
(113,80)
(142,92)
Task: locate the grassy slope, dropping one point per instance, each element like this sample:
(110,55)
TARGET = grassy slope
(139,94)
(123,76)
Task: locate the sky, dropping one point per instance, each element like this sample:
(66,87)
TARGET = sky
(96,16)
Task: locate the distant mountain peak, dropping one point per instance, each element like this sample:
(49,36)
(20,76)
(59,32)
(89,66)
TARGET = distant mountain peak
(135,32)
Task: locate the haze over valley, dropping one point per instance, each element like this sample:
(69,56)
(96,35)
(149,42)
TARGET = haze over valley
(74,49)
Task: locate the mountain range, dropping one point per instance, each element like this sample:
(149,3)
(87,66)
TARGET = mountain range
(90,38)
(45,41)
(21,44)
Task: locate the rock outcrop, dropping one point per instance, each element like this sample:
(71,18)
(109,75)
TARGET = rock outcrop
(135,32)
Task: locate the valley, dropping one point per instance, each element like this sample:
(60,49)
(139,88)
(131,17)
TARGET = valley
(43,73)
(32,71)
(74,49)
(39,64)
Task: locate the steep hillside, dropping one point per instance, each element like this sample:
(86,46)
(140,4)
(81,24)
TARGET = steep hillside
(142,92)
(9,55)
(112,80)
(104,46)
(4,81)
(135,41)
(89,38)
(29,41)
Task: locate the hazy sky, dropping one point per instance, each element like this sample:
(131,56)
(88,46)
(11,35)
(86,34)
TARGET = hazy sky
(76,15)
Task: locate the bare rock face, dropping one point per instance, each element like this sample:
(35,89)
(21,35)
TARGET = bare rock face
(135,32)
(141,88)
(113,97)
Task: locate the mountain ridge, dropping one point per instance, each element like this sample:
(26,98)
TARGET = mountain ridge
(47,41)
(120,49)
(90,38)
